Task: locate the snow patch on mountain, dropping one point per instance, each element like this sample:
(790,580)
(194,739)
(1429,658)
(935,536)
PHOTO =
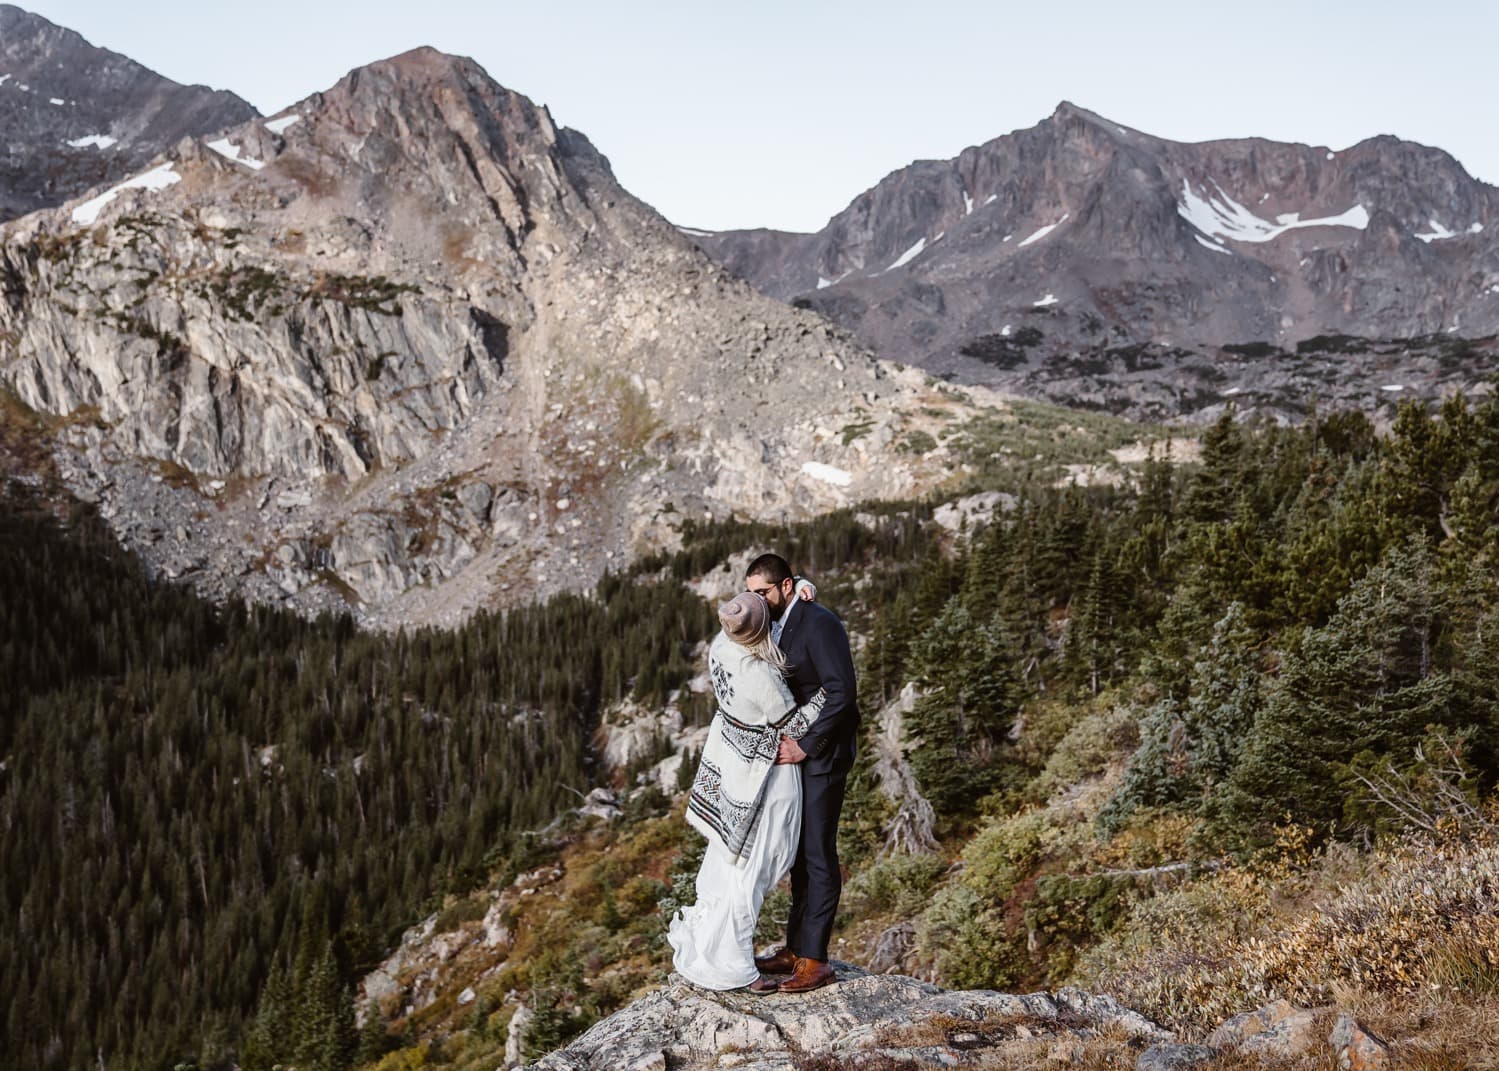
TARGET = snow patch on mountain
(98,141)
(1437,232)
(1049,299)
(1044,231)
(279,126)
(909,254)
(827,473)
(230,151)
(1214,246)
(158,178)
(1220,215)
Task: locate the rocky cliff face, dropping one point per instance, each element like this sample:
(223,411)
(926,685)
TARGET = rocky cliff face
(1082,239)
(73,116)
(410,345)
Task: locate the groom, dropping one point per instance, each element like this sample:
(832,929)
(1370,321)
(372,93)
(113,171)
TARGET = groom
(816,648)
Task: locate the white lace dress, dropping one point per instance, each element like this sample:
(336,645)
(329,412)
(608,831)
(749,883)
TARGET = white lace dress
(714,940)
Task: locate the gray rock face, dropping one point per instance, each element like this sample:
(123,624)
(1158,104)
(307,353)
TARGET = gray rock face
(1059,260)
(410,348)
(1277,1029)
(1172,1057)
(73,116)
(862,1017)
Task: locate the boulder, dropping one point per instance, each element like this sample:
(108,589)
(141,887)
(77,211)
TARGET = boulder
(515,1039)
(965,513)
(1356,1048)
(1277,1029)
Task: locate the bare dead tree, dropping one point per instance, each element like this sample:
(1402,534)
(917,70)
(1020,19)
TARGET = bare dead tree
(1429,796)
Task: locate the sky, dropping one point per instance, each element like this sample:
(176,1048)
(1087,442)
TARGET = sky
(777,114)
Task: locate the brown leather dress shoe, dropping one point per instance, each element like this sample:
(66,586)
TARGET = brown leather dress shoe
(810,974)
(781,961)
(763,984)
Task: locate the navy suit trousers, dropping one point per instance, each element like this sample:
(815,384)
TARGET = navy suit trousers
(816,881)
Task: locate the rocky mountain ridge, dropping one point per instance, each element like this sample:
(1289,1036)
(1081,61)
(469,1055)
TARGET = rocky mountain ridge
(1080,240)
(73,116)
(409,346)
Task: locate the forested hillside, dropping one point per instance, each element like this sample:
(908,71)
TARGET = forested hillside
(192,795)
(1161,729)
(204,808)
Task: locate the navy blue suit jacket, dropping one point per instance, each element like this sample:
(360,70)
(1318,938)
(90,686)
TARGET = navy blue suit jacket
(816,646)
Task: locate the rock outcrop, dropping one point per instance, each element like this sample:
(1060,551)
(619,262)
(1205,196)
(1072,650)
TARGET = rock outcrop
(73,116)
(864,1017)
(408,346)
(1086,262)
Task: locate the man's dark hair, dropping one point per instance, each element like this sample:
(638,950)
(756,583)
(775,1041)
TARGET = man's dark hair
(772,567)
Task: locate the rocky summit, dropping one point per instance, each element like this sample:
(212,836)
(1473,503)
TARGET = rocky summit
(73,116)
(407,346)
(1090,263)
(864,1020)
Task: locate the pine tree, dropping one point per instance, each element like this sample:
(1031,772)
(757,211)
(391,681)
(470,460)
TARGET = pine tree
(1187,747)
(957,729)
(1367,681)
(268,1042)
(1095,636)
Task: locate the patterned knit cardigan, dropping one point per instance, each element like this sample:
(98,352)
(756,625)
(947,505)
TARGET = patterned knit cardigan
(755,709)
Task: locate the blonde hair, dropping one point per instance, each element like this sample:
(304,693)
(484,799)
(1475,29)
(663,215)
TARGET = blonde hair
(767,651)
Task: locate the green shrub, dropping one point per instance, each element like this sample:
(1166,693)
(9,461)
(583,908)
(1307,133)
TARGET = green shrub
(1070,912)
(1092,744)
(455,915)
(918,442)
(640,896)
(1003,854)
(969,942)
(898,884)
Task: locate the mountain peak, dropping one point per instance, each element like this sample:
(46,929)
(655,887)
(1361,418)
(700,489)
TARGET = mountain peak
(426,95)
(1070,121)
(1067,112)
(1080,234)
(421,66)
(77,116)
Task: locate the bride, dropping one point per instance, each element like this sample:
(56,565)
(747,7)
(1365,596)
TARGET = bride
(748,807)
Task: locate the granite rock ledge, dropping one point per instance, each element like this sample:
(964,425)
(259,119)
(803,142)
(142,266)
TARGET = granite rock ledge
(864,1017)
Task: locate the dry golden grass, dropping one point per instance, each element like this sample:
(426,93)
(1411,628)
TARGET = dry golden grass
(1406,937)
(1434,1030)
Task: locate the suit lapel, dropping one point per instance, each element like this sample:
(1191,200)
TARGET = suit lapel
(793,619)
